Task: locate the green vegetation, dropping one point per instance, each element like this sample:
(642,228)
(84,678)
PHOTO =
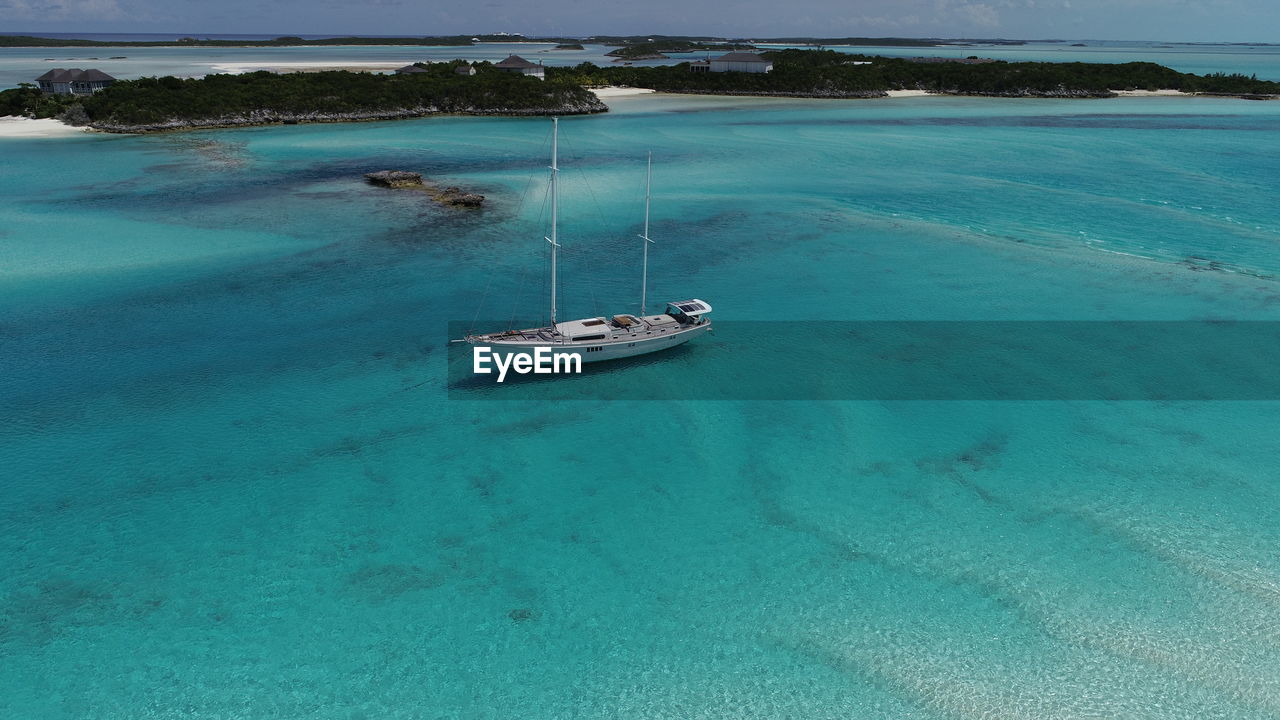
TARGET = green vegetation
(824,73)
(261,97)
(641,51)
(27,100)
(31,41)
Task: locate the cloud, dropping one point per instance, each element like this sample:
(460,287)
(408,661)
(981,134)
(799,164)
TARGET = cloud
(980,14)
(64,10)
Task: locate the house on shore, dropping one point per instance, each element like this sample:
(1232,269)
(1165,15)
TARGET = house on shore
(410,70)
(517,64)
(741,62)
(700,66)
(74,81)
(467,69)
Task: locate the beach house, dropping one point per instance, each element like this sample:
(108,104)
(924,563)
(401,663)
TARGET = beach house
(410,70)
(74,81)
(741,62)
(517,64)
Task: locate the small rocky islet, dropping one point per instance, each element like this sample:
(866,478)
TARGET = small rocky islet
(451,196)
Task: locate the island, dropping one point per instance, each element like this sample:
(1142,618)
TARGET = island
(659,49)
(264,98)
(831,74)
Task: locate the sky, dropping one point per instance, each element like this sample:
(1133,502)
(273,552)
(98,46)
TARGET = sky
(1169,20)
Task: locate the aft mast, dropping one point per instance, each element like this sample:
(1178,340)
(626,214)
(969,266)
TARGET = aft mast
(555,204)
(644,273)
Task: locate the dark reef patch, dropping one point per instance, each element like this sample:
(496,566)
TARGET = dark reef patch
(520,615)
(391,580)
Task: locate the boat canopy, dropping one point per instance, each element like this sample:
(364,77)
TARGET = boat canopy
(594,328)
(692,308)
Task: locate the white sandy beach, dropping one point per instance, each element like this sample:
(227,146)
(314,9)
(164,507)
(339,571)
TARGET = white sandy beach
(1150,93)
(20,127)
(907,93)
(615,91)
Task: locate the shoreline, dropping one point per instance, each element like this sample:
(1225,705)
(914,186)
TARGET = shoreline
(268,118)
(302,66)
(23,127)
(612,91)
(12,126)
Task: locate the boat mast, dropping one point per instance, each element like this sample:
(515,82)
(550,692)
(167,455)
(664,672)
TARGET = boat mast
(555,202)
(644,273)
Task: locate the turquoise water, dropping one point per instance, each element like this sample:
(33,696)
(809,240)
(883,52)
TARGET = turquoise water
(25,64)
(237,486)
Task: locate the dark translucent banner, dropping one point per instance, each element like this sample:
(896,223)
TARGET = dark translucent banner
(908,360)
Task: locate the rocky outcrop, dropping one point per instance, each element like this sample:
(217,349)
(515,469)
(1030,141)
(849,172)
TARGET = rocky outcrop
(394,178)
(456,197)
(584,106)
(451,196)
(1241,96)
(1059,92)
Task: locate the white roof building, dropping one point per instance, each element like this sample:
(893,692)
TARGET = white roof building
(741,62)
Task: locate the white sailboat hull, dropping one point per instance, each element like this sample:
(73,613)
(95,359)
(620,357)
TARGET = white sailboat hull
(613,349)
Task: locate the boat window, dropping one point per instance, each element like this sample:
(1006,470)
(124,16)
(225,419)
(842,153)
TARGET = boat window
(585,338)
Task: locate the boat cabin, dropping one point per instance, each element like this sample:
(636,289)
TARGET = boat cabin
(584,330)
(688,311)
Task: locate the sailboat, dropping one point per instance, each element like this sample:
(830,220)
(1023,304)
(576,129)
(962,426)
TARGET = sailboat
(603,338)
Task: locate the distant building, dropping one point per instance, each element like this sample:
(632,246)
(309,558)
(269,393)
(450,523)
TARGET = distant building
(741,62)
(74,81)
(409,70)
(700,66)
(465,70)
(517,64)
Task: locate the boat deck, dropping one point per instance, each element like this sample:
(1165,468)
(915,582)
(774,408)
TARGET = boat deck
(622,328)
(545,335)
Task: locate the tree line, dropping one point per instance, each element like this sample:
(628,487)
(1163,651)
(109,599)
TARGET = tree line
(151,101)
(827,72)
